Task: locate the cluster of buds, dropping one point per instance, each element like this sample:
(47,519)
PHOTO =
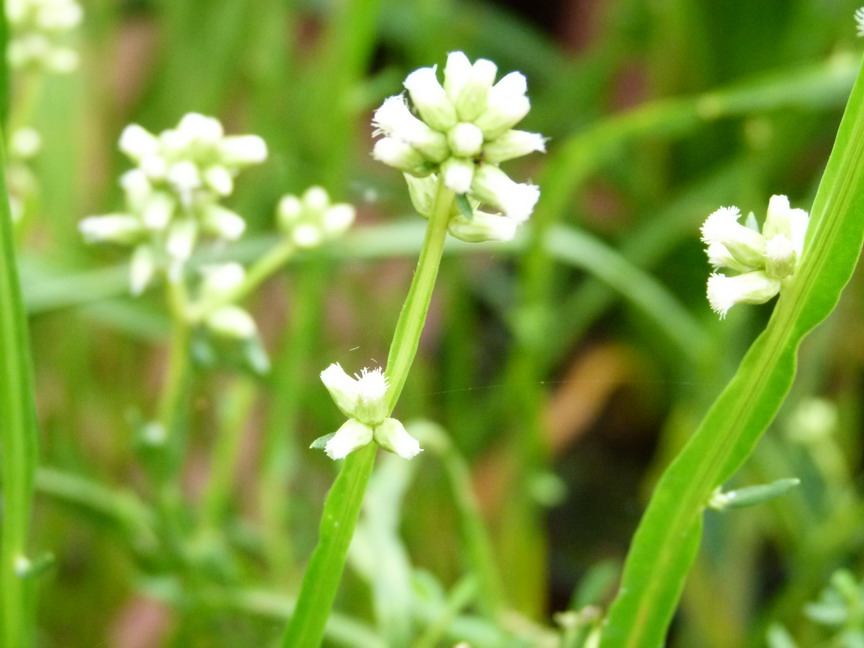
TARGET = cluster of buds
(363,399)
(37,28)
(461,132)
(765,261)
(311,219)
(172,196)
(24,145)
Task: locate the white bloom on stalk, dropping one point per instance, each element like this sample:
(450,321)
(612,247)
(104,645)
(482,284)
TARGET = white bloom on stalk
(766,260)
(461,132)
(311,219)
(363,399)
(37,29)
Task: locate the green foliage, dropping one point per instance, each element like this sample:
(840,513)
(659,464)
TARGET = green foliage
(558,386)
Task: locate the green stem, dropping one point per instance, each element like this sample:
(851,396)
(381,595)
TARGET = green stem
(345,498)
(406,337)
(18,438)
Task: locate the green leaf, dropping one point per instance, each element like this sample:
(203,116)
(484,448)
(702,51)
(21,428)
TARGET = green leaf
(665,544)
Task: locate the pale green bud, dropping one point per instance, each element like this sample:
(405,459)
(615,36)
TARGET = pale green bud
(782,220)
(781,258)
(25,143)
(158,210)
(222,279)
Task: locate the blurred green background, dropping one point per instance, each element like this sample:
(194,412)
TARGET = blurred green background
(565,368)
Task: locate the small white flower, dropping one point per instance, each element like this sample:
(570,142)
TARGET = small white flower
(181,239)
(859,21)
(242,150)
(138,143)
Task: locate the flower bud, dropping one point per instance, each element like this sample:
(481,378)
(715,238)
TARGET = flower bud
(137,142)
(223,223)
(749,288)
(350,437)
(471,98)
(506,106)
(219,179)
(400,155)
(513,144)
(744,244)
(430,99)
(492,186)
(242,150)
(181,239)
(391,435)
(458,174)
(113,228)
(141,269)
(465,140)
(483,227)
(231,322)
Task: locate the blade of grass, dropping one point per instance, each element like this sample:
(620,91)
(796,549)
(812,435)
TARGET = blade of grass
(18,438)
(664,545)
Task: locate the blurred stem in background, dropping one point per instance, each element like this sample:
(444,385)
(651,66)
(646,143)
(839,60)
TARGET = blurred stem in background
(342,507)
(18,442)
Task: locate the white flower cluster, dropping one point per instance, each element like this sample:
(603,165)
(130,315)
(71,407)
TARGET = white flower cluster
(172,196)
(461,132)
(363,399)
(764,260)
(311,219)
(37,28)
(859,21)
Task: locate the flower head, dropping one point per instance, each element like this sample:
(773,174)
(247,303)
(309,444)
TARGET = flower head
(460,131)
(766,259)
